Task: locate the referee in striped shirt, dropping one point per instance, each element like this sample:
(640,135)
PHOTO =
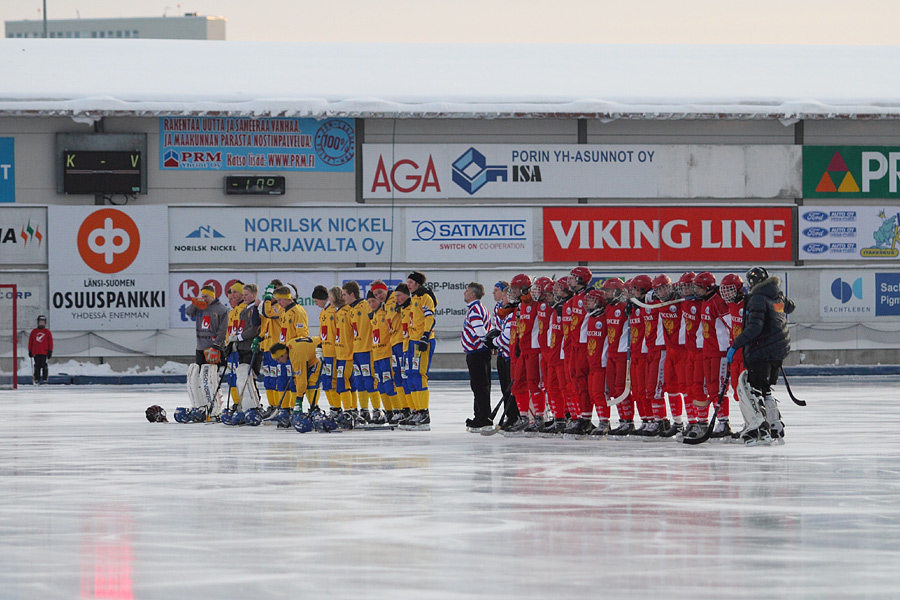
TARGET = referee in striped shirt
(478,356)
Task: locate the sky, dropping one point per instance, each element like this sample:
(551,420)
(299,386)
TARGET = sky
(863,22)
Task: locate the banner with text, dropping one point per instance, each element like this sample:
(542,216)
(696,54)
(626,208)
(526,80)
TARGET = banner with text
(23,235)
(668,234)
(108,268)
(579,171)
(279,235)
(467,235)
(247,144)
(849,232)
(851,171)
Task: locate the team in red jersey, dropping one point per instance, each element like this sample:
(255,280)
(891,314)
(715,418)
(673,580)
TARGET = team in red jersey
(652,347)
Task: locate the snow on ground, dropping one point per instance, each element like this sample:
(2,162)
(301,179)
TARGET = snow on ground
(97,502)
(75,367)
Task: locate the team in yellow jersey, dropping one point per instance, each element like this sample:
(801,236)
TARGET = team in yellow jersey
(370,359)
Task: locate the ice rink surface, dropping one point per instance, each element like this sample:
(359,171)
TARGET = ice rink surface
(98,503)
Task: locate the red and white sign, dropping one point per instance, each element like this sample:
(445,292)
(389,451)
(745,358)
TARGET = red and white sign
(668,234)
(108,268)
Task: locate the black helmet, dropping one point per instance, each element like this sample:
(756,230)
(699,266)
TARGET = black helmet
(756,275)
(156,414)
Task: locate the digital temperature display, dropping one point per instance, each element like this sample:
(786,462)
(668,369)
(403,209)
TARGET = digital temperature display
(254,184)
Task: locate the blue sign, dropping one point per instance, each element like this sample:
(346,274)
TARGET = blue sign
(247,144)
(7,170)
(887,294)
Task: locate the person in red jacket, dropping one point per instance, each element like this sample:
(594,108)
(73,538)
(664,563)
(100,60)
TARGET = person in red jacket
(40,348)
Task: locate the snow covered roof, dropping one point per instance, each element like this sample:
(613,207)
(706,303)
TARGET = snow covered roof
(92,78)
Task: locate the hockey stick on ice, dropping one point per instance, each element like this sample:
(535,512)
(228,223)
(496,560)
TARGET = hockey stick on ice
(712,419)
(505,402)
(796,400)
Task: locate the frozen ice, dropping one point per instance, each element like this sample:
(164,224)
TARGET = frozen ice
(98,503)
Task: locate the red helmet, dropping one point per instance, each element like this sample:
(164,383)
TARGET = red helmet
(560,287)
(688,278)
(705,280)
(685,285)
(641,283)
(582,274)
(613,288)
(731,287)
(521,281)
(541,284)
(595,294)
(661,280)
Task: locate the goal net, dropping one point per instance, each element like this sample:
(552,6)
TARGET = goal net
(9,350)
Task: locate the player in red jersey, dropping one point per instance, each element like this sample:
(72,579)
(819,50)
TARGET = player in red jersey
(617,343)
(638,288)
(595,332)
(542,288)
(673,359)
(558,378)
(654,340)
(526,374)
(732,292)
(693,359)
(716,341)
(576,353)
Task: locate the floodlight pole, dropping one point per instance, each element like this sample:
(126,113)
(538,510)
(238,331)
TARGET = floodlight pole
(45,18)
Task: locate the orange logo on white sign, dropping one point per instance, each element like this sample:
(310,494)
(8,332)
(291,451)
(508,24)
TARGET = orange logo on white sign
(108,241)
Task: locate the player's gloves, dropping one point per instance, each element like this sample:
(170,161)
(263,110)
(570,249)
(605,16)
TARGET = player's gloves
(254,347)
(730,356)
(213,355)
(269,293)
(200,303)
(30,355)
(490,337)
(319,354)
(518,350)
(49,354)
(422,344)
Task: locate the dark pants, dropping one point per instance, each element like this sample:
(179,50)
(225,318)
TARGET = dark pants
(479,364)
(763,375)
(510,409)
(41,372)
(246,357)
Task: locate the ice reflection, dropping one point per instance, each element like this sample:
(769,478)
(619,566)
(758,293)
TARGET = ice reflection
(121,506)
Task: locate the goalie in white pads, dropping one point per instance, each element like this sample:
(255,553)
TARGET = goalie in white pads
(766,343)
(211,318)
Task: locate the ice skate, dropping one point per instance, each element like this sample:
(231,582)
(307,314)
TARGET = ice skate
(600,431)
(721,430)
(623,429)
(420,422)
(516,428)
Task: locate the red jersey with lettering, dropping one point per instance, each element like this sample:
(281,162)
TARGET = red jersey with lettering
(526,332)
(617,326)
(653,333)
(596,333)
(690,311)
(670,322)
(716,332)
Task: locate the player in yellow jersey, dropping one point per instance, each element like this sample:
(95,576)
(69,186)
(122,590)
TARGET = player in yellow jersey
(236,300)
(292,323)
(299,357)
(269,329)
(403,308)
(362,383)
(324,300)
(383,318)
(420,349)
(392,301)
(343,360)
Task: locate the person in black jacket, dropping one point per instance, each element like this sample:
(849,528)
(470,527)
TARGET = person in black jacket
(766,343)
